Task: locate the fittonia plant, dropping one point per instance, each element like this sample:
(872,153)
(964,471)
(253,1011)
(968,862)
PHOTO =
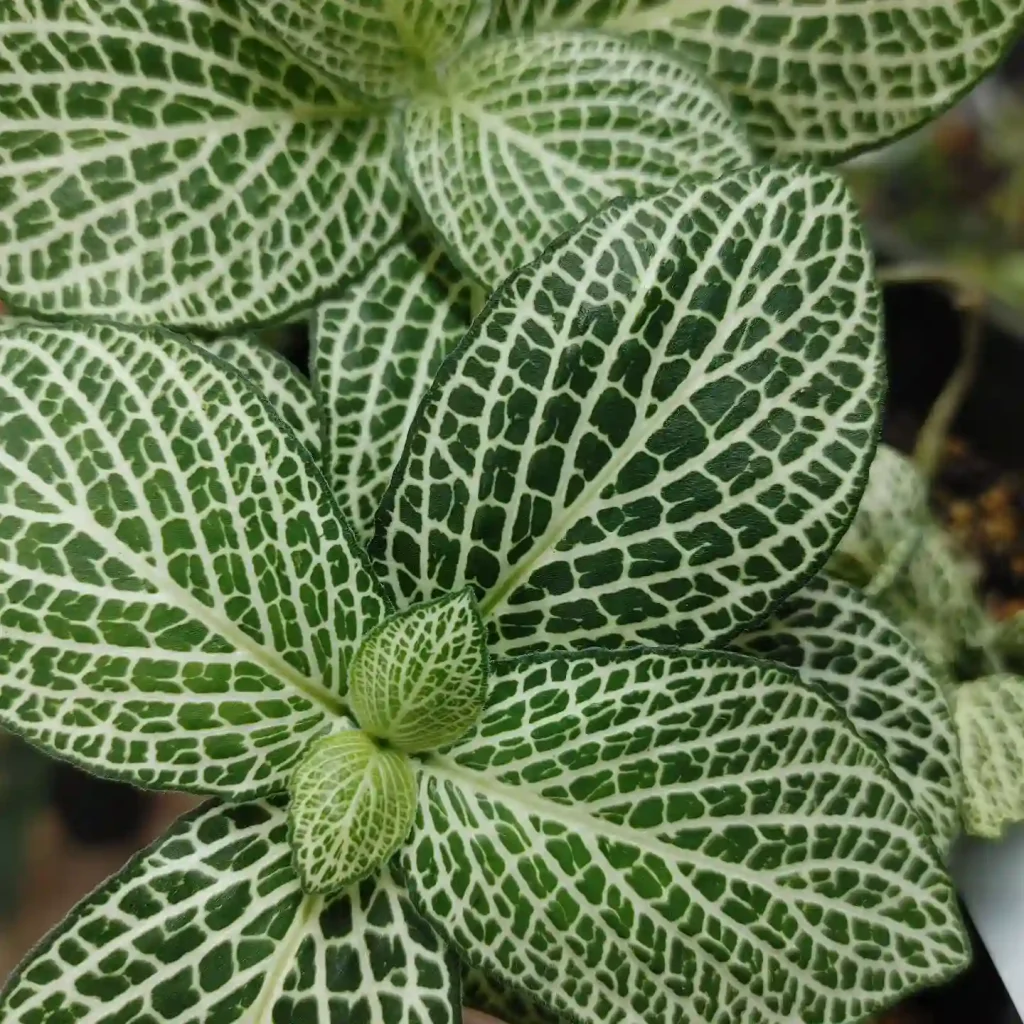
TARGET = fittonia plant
(218,163)
(453,752)
(898,552)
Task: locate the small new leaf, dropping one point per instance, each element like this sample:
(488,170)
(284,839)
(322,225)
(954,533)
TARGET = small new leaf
(989,715)
(531,135)
(615,813)
(353,803)
(419,680)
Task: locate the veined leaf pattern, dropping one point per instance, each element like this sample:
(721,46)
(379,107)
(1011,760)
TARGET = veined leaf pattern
(989,715)
(887,529)
(167,162)
(419,679)
(656,431)
(934,601)
(380,49)
(811,77)
(659,835)
(376,349)
(482,992)
(180,599)
(210,926)
(529,136)
(288,391)
(836,639)
(352,805)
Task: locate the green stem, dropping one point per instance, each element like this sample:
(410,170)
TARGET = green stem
(932,438)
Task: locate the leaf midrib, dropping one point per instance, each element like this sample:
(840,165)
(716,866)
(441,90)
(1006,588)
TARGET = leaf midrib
(572,817)
(497,126)
(270,661)
(263,1008)
(570,514)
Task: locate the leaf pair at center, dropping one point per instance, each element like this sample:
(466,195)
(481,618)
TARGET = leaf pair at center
(417,683)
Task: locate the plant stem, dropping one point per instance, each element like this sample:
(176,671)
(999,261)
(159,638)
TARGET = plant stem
(922,273)
(932,437)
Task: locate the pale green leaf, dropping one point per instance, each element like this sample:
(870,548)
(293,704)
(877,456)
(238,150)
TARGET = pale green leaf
(380,49)
(529,136)
(1008,639)
(815,77)
(655,835)
(352,805)
(210,926)
(482,992)
(170,163)
(655,432)
(888,526)
(419,680)
(935,604)
(989,715)
(285,388)
(376,349)
(179,599)
(836,639)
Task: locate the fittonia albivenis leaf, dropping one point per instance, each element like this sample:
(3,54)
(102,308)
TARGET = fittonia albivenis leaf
(650,436)
(221,164)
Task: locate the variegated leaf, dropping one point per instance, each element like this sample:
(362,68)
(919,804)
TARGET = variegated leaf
(171,163)
(379,49)
(376,349)
(655,432)
(501,1001)
(935,604)
(210,926)
(531,135)
(353,802)
(658,835)
(888,526)
(179,600)
(289,393)
(1008,641)
(810,77)
(836,639)
(419,680)
(989,716)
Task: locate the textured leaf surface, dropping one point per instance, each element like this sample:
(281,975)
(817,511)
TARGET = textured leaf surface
(652,836)
(810,76)
(935,605)
(210,926)
(835,638)
(288,391)
(1009,641)
(352,805)
(657,430)
(375,352)
(888,526)
(482,992)
(169,163)
(989,717)
(531,135)
(380,49)
(419,680)
(179,599)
